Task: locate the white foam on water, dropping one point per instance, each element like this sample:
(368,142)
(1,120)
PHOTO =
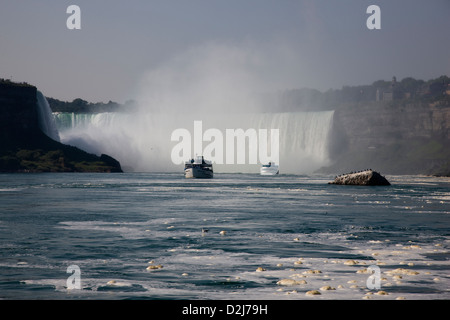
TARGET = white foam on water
(406,273)
(219,270)
(11,189)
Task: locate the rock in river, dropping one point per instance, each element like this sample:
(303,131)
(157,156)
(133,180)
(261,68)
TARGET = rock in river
(361,178)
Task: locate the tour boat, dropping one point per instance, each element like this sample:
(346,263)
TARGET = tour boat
(270,169)
(198,168)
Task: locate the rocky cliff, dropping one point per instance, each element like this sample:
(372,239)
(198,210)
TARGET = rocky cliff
(18,110)
(25,148)
(396,137)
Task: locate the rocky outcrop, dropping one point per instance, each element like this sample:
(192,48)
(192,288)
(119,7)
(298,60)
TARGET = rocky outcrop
(18,112)
(396,137)
(362,178)
(25,148)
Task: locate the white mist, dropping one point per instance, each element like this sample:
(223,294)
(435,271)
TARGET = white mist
(225,87)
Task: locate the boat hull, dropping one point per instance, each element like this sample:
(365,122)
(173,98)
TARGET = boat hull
(199,173)
(271,171)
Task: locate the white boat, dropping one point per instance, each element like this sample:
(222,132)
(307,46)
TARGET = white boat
(198,168)
(270,169)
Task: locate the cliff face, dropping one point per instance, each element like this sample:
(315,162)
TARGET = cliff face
(23,146)
(394,137)
(381,123)
(18,111)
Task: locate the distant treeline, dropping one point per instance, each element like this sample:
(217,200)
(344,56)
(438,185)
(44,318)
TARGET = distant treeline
(307,99)
(82,106)
(406,89)
(7,82)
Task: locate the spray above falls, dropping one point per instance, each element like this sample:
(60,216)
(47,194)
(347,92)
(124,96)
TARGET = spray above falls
(223,87)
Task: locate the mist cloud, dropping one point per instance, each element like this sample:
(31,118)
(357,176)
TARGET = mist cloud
(219,78)
(226,86)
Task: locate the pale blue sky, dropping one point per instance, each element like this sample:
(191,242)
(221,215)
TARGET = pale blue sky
(314,43)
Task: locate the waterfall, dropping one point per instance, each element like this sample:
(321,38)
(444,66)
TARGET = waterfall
(142,142)
(304,138)
(46,118)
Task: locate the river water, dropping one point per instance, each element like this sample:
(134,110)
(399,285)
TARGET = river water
(161,236)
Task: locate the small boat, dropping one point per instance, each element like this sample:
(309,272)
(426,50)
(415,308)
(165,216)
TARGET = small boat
(198,168)
(270,169)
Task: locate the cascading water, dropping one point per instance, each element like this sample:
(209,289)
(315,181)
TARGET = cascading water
(303,138)
(142,142)
(46,118)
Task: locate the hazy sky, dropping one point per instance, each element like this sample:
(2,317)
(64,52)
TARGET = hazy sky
(282,43)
